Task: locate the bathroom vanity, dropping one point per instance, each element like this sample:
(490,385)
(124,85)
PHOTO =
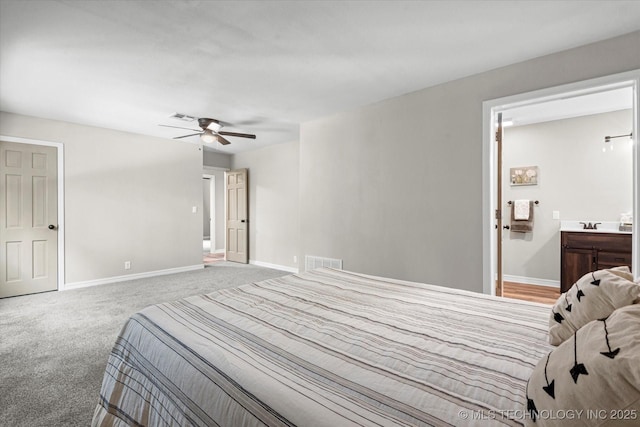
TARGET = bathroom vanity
(584,250)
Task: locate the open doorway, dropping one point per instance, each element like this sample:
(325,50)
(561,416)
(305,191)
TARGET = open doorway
(209,254)
(595,187)
(213,241)
(497,204)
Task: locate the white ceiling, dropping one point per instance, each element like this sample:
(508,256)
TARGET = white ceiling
(266,66)
(573,106)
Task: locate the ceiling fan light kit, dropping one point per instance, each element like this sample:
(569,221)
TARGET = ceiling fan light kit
(208,136)
(211,130)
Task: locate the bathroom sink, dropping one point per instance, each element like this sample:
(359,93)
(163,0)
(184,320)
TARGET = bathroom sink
(603,227)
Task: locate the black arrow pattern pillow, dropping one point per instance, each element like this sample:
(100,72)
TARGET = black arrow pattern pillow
(594,376)
(595,296)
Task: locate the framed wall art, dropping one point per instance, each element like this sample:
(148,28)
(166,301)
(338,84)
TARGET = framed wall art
(524,175)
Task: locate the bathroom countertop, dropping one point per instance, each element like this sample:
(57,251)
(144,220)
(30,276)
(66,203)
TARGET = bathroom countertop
(603,227)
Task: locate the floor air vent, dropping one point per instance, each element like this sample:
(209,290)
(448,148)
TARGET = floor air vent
(311,262)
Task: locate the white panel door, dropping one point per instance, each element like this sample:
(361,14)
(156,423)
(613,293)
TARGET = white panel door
(29,219)
(237,236)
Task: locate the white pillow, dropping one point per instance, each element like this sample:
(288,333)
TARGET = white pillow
(591,379)
(594,296)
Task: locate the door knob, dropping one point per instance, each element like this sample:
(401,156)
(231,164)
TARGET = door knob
(52,227)
(506,227)
(242,220)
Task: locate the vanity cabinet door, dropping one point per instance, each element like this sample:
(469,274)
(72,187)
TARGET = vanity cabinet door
(585,252)
(576,263)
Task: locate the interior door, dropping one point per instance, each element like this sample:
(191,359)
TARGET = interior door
(29,219)
(499,207)
(236,219)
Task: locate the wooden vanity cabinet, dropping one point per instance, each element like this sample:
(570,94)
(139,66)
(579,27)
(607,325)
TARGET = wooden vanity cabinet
(582,252)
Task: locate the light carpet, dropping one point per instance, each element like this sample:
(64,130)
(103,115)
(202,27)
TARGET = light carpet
(54,346)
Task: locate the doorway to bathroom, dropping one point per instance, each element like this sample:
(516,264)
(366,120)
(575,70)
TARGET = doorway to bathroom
(554,153)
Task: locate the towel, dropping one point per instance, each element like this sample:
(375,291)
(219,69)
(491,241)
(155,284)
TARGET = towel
(522,209)
(522,225)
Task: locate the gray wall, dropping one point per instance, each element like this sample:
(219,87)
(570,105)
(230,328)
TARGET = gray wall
(128,197)
(576,178)
(395,188)
(216,160)
(273,203)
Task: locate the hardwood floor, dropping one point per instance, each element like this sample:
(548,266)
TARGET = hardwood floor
(543,294)
(209,258)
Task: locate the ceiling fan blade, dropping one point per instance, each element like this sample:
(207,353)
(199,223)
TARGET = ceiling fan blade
(178,127)
(241,135)
(250,122)
(186,136)
(222,141)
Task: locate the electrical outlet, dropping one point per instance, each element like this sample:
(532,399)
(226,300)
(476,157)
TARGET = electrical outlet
(127,265)
(295,259)
(556,214)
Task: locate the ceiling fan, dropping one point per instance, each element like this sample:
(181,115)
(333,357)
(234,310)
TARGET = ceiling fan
(211,131)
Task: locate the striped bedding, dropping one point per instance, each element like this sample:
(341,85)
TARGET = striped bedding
(325,348)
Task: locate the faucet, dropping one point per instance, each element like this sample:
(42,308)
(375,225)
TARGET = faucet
(590,226)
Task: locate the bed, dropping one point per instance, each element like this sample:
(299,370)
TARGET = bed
(325,348)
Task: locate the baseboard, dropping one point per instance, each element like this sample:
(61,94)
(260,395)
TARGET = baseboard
(274,266)
(115,279)
(531,281)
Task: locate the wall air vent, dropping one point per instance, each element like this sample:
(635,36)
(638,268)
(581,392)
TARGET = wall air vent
(312,262)
(183,117)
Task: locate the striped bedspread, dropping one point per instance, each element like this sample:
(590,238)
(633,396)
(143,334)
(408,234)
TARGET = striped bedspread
(325,348)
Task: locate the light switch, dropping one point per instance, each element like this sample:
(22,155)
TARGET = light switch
(556,214)
(194,209)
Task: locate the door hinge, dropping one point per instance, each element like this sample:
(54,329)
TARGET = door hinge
(498,214)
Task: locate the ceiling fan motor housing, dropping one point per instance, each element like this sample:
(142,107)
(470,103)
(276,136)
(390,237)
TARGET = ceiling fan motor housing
(205,123)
